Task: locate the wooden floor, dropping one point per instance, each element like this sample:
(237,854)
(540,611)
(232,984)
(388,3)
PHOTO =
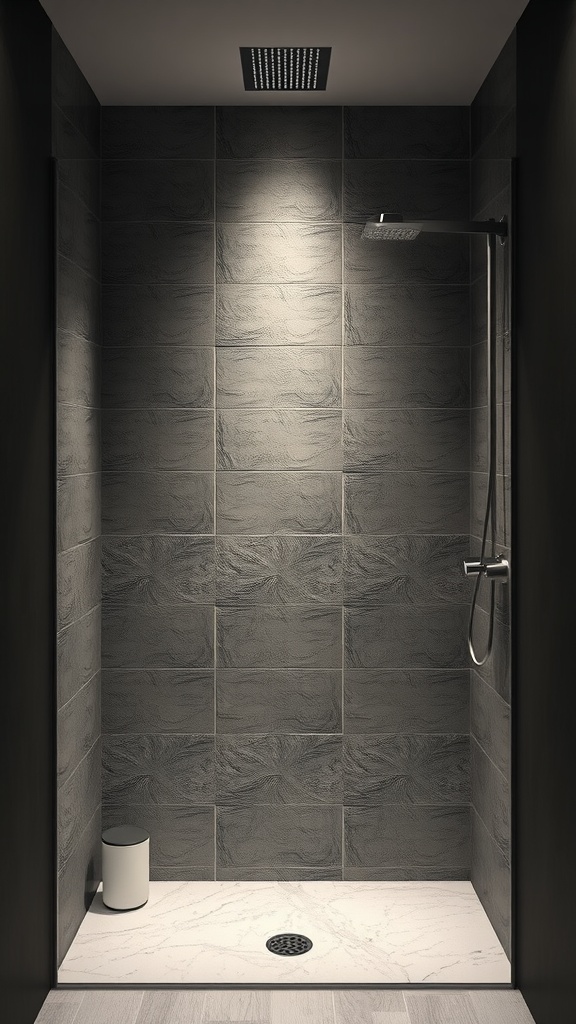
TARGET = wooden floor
(302,1006)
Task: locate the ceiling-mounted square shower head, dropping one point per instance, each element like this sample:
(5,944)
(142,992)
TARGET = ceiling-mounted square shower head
(285,68)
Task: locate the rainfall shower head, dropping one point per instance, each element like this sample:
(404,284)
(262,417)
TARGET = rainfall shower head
(392,227)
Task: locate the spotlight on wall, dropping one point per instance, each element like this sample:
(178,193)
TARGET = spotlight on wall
(285,68)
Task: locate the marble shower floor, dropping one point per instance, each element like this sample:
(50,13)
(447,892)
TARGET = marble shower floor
(214,933)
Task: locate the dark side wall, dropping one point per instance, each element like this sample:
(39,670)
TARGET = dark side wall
(545,458)
(27,460)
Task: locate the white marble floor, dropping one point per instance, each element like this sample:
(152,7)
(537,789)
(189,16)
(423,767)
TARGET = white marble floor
(214,933)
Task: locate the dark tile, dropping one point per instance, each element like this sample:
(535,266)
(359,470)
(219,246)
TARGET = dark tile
(408,873)
(78,370)
(158,503)
(136,378)
(83,178)
(278,190)
(158,570)
(71,92)
(492,880)
(78,440)
(488,178)
(417,769)
(496,96)
(161,636)
(420,701)
(78,880)
(164,701)
(157,439)
(289,314)
(279,132)
(429,259)
(279,253)
(182,874)
(243,874)
(78,728)
(278,770)
(479,453)
(78,509)
(429,189)
(77,301)
(406,439)
(406,502)
(78,654)
(478,375)
(405,570)
(78,232)
(400,636)
(278,378)
(293,636)
(157,315)
(490,722)
(478,488)
(148,769)
(400,377)
(433,837)
(301,439)
(179,835)
(177,132)
(278,701)
(434,315)
(502,594)
(264,503)
(68,142)
(78,582)
(496,672)
(278,570)
(417,133)
(145,190)
(78,799)
(502,143)
(490,797)
(278,837)
(161,253)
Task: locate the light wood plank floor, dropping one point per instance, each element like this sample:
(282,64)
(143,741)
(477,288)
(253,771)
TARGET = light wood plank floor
(294,1006)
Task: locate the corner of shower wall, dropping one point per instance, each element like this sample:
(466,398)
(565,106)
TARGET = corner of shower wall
(76,149)
(493,135)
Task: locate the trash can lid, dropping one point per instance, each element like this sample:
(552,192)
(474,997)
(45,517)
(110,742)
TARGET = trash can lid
(125,835)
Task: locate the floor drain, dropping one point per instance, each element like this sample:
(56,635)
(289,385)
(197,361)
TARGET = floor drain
(289,944)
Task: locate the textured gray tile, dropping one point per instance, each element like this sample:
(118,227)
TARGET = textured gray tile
(274,378)
(278,701)
(278,837)
(502,594)
(478,487)
(83,178)
(279,132)
(162,439)
(175,252)
(429,259)
(488,178)
(141,190)
(179,835)
(400,377)
(71,92)
(158,502)
(501,144)
(430,189)
(496,95)
(77,301)
(434,315)
(78,370)
(188,873)
(478,370)
(78,799)
(496,672)
(264,503)
(136,378)
(243,874)
(479,453)
(408,873)
(406,503)
(278,570)
(78,509)
(289,314)
(491,879)
(78,582)
(165,700)
(279,253)
(405,570)
(406,439)
(78,728)
(415,132)
(278,770)
(411,770)
(159,636)
(421,701)
(78,232)
(78,880)
(78,654)
(157,315)
(278,190)
(293,636)
(148,769)
(78,440)
(490,797)
(68,142)
(390,836)
(400,636)
(158,570)
(285,439)
(490,722)
(166,132)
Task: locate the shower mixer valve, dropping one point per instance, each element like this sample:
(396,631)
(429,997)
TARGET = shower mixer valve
(496,568)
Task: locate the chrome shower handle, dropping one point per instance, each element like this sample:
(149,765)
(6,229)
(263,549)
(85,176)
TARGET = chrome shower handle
(496,568)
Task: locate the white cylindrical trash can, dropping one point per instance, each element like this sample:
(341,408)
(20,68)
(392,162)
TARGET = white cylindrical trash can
(125,867)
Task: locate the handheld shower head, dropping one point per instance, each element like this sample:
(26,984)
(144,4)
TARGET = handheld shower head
(392,227)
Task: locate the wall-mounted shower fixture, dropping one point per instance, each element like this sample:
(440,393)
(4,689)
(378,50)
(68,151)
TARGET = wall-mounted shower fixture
(285,68)
(392,227)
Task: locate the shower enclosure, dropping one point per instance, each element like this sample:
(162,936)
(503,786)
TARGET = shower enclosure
(273,461)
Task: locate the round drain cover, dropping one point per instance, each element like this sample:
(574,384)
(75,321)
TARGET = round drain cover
(289,944)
